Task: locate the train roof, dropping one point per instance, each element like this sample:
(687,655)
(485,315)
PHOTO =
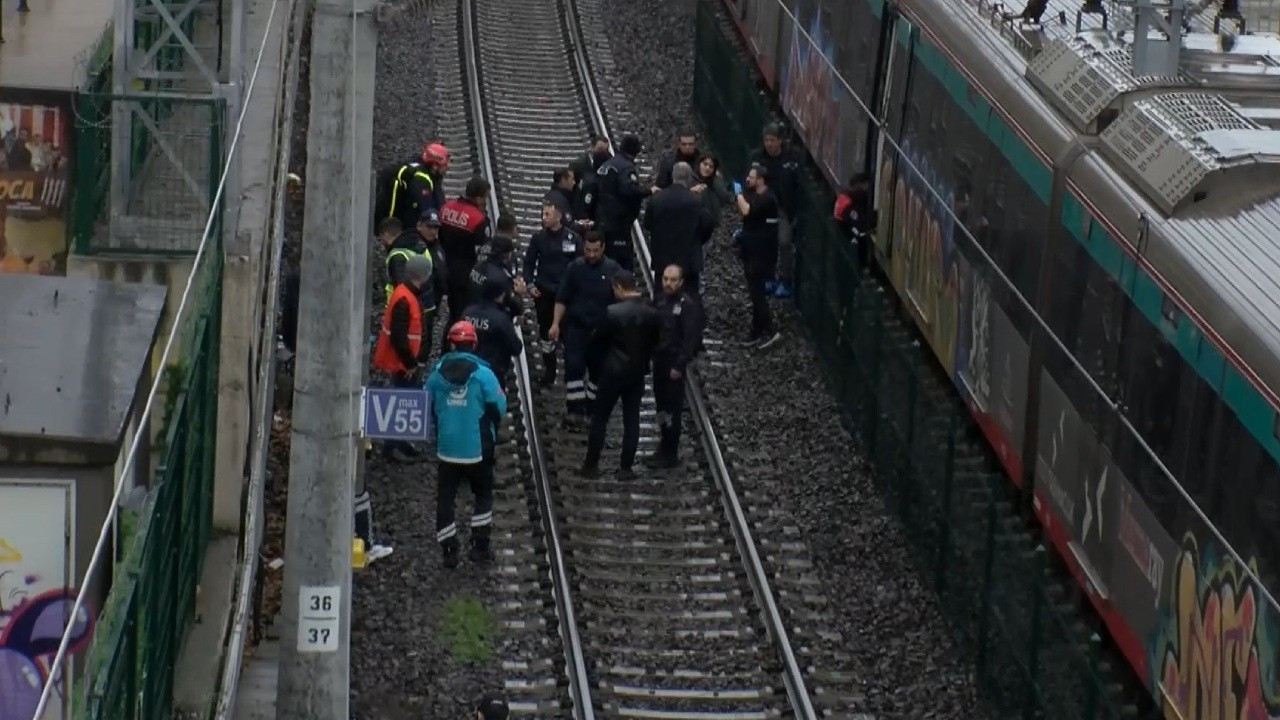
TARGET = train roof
(1199,153)
(48,47)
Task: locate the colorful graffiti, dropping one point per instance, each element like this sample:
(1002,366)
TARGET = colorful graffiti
(923,262)
(1211,668)
(809,94)
(31,627)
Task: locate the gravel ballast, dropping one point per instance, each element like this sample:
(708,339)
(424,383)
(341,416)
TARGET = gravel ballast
(776,404)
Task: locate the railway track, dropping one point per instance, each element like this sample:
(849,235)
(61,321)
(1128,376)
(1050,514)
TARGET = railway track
(642,598)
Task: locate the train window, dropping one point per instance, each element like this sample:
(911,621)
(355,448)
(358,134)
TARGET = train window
(1248,512)
(1199,434)
(1152,366)
(1169,312)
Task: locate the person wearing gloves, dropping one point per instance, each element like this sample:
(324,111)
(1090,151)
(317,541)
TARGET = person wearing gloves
(758,246)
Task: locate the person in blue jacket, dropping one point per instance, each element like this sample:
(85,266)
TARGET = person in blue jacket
(466,406)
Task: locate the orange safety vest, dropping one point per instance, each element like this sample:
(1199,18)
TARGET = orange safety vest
(384,356)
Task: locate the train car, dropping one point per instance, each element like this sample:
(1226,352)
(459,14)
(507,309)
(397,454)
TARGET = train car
(1094,258)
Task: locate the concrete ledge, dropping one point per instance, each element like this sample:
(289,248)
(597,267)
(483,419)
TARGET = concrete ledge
(200,661)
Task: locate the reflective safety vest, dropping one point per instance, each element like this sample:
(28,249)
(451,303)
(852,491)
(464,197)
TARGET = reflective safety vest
(428,290)
(384,356)
(402,183)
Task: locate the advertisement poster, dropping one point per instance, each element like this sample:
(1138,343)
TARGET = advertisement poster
(35,188)
(37,593)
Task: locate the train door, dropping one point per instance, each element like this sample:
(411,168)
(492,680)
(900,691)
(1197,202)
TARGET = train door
(898,43)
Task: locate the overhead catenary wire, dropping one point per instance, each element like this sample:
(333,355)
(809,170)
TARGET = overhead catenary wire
(55,675)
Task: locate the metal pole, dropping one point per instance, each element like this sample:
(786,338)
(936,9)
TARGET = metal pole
(315,647)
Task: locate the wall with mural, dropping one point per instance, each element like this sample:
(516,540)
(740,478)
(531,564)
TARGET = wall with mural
(1212,656)
(35,186)
(36,598)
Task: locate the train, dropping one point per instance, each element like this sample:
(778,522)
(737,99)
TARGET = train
(1093,256)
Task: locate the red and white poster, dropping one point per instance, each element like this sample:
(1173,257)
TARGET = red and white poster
(35,188)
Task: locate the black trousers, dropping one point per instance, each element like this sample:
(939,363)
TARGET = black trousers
(401,380)
(758,264)
(544,307)
(668,398)
(617,245)
(612,389)
(458,285)
(581,367)
(451,477)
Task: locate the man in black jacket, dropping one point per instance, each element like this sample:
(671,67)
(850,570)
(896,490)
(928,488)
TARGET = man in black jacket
(499,267)
(681,331)
(685,151)
(629,334)
(562,196)
(678,222)
(854,215)
(586,291)
(550,251)
(586,180)
(782,164)
(496,339)
(621,195)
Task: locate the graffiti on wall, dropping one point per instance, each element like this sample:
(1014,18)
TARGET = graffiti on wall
(31,627)
(809,93)
(1218,645)
(923,262)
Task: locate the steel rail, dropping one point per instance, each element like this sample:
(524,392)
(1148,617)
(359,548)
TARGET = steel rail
(579,681)
(793,676)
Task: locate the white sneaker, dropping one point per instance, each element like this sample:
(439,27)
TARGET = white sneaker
(377,552)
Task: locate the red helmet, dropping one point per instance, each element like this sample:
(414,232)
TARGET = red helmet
(435,154)
(462,333)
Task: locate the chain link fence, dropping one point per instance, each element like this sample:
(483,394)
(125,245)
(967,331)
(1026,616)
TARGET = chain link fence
(1035,656)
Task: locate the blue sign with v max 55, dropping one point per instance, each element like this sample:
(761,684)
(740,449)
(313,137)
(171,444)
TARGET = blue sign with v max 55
(395,413)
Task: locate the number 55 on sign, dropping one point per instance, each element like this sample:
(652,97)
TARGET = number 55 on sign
(395,413)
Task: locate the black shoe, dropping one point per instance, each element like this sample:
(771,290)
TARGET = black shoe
(626,473)
(480,552)
(589,472)
(451,550)
(659,461)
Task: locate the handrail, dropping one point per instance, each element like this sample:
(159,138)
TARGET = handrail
(579,682)
(797,693)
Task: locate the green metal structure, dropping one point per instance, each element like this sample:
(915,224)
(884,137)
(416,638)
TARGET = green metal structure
(1034,655)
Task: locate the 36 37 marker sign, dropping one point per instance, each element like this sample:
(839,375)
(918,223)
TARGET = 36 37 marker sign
(395,413)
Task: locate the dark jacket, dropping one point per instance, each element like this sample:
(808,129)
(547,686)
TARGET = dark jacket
(586,193)
(784,177)
(662,175)
(621,194)
(629,333)
(852,212)
(464,227)
(587,290)
(678,224)
(682,324)
(497,341)
(548,257)
(491,270)
(562,199)
(400,334)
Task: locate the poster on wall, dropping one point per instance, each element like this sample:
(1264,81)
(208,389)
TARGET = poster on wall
(37,593)
(35,187)
(810,90)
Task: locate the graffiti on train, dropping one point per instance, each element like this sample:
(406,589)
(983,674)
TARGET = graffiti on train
(809,93)
(923,260)
(1219,644)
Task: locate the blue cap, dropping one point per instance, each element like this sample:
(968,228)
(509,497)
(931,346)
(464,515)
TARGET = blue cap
(430,217)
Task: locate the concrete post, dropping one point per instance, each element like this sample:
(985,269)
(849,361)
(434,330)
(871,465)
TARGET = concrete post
(315,648)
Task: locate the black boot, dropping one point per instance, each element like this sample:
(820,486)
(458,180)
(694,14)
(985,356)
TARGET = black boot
(451,549)
(549,369)
(480,550)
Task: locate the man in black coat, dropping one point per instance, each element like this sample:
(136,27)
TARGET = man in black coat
(678,222)
(621,195)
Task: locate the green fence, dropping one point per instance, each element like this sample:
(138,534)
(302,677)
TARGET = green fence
(191,128)
(1034,655)
(130,668)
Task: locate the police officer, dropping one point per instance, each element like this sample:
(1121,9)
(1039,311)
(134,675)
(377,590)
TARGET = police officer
(681,332)
(585,294)
(621,195)
(758,247)
(853,213)
(399,349)
(499,267)
(409,244)
(585,172)
(418,184)
(464,227)
(466,405)
(496,339)
(782,164)
(628,333)
(561,194)
(550,251)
